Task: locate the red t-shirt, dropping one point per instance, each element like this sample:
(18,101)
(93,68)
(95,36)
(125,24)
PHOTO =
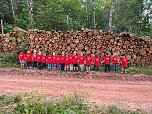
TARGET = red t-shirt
(81,59)
(97,61)
(39,58)
(66,61)
(53,59)
(124,62)
(58,60)
(29,57)
(88,60)
(75,59)
(115,59)
(107,59)
(21,56)
(49,59)
(62,59)
(44,59)
(70,59)
(34,58)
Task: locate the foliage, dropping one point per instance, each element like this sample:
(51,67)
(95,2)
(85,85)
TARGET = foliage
(8,60)
(76,104)
(130,16)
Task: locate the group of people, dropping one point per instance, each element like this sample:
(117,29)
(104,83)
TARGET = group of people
(70,62)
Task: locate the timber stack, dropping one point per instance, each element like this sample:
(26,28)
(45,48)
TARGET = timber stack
(137,50)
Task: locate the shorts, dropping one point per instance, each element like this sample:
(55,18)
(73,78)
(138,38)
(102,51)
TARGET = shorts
(81,65)
(71,67)
(75,65)
(53,65)
(22,61)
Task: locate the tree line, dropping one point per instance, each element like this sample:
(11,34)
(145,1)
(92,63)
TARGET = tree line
(109,15)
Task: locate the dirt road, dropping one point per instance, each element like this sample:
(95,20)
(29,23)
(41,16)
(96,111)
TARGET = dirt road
(129,94)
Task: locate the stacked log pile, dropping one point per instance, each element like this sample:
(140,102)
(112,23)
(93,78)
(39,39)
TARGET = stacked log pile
(137,50)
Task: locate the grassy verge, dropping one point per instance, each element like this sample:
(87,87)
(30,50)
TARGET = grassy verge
(66,105)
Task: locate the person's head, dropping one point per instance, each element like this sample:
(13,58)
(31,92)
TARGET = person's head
(75,52)
(96,55)
(107,53)
(53,53)
(28,51)
(123,55)
(40,52)
(62,53)
(44,54)
(114,54)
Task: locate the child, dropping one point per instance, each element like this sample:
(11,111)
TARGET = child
(21,57)
(124,63)
(58,63)
(44,59)
(54,61)
(81,62)
(29,59)
(75,61)
(62,62)
(71,62)
(49,62)
(66,62)
(107,62)
(88,63)
(115,61)
(34,59)
(96,62)
(39,60)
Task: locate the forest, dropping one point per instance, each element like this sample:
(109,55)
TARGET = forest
(61,15)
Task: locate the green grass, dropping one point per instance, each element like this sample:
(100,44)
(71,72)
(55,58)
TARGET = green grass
(75,104)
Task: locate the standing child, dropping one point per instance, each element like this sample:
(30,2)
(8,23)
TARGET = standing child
(124,63)
(107,62)
(75,61)
(54,61)
(66,62)
(34,59)
(21,57)
(29,59)
(39,60)
(71,61)
(49,62)
(88,63)
(96,62)
(81,62)
(44,59)
(58,63)
(62,62)
(115,61)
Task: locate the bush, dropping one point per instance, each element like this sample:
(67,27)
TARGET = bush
(8,60)
(65,105)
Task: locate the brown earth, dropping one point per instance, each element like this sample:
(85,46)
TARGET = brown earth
(102,88)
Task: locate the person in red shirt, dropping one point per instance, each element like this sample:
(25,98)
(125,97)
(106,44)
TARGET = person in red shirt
(21,57)
(96,62)
(71,61)
(62,62)
(34,59)
(29,59)
(58,63)
(54,61)
(49,62)
(123,61)
(88,63)
(44,59)
(66,62)
(39,60)
(107,62)
(81,62)
(75,61)
(115,62)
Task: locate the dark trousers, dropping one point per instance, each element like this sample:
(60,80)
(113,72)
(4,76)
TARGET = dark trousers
(96,68)
(39,65)
(62,66)
(107,67)
(44,65)
(34,64)
(29,64)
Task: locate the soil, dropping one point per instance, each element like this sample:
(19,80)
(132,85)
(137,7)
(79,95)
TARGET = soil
(127,91)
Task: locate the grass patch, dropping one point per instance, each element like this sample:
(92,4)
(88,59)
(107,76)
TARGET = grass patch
(9,60)
(66,105)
